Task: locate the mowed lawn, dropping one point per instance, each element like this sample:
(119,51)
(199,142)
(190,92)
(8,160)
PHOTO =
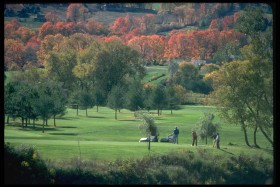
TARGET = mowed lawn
(100,137)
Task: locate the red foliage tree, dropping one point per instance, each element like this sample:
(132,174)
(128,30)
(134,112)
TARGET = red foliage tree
(228,22)
(52,17)
(13,54)
(93,27)
(46,29)
(76,12)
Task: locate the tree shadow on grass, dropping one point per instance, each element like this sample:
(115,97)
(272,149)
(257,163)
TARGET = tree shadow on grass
(226,151)
(67,134)
(66,127)
(39,128)
(95,117)
(67,118)
(127,120)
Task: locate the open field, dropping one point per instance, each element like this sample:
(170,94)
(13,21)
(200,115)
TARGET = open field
(100,137)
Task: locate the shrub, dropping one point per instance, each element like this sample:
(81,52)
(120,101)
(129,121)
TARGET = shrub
(24,166)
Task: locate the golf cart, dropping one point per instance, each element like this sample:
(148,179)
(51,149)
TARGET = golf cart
(146,139)
(169,138)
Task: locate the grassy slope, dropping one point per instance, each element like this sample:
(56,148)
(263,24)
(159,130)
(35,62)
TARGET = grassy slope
(156,71)
(100,137)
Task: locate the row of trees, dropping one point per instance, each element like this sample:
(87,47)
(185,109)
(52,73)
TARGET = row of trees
(32,96)
(243,89)
(33,101)
(218,43)
(208,44)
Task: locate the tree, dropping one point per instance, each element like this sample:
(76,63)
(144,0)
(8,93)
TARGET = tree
(60,66)
(116,98)
(187,74)
(172,97)
(60,101)
(13,54)
(206,127)
(47,29)
(44,104)
(114,64)
(244,96)
(148,127)
(86,100)
(51,17)
(76,12)
(99,98)
(134,96)
(159,97)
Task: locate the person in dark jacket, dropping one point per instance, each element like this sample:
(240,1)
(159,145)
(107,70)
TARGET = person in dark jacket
(218,141)
(194,138)
(175,134)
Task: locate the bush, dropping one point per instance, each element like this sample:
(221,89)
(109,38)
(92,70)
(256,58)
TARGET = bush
(24,166)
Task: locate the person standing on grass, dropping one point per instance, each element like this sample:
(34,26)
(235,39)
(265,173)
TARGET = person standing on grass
(214,139)
(218,141)
(175,134)
(194,138)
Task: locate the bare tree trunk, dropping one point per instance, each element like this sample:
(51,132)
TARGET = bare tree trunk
(255,137)
(22,122)
(149,147)
(256,119)
(115,113)
(267,137)
(43,125)
(54,120)
(245,134)
(8,119)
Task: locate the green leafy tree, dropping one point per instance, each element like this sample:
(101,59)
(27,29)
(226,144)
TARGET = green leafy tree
(206,127)
(116,98)
(244,97)
(114,64)
(99,98)
(187,75)
(159,97)
(60,65)
(172,98)
(148,127)
(135,96)
(44,104)
(60,101)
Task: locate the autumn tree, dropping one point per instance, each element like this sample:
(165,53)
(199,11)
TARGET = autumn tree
(94,27)
(147,23)
(24,34)
(51,43)
(76,12)
(13,54)
(52,17)
(47,29)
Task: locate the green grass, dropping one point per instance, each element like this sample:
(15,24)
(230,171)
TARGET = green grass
(153,71)
(100,137)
